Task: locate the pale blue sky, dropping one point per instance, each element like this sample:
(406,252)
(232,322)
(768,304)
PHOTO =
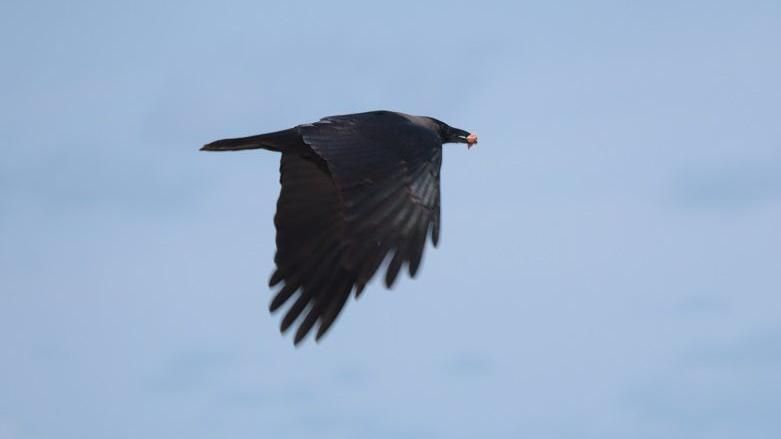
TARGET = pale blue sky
(609,264)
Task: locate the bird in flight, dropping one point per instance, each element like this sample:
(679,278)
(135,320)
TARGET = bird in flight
(356,189)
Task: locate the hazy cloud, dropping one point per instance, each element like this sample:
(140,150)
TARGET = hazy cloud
(733,186)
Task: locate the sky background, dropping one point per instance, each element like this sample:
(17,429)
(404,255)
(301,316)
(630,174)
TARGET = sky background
(610,261)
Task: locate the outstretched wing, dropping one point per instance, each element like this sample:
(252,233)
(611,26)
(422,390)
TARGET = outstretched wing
(373,192)
(310,245)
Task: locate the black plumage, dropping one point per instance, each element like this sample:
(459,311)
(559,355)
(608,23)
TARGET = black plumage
(356,190)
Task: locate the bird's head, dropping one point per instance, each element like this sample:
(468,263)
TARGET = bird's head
(456,135)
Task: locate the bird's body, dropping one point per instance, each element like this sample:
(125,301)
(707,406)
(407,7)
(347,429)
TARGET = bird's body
(355,189)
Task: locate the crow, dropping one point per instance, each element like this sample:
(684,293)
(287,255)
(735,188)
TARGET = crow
(357,189)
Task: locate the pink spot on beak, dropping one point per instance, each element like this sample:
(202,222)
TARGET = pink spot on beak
(471,140)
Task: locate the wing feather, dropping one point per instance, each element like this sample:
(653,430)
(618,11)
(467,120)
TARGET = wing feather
(369,192)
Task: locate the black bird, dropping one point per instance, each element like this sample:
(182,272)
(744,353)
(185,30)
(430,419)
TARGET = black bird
(355,189)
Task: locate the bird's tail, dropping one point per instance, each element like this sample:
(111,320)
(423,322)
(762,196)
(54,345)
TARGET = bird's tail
(276,141)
